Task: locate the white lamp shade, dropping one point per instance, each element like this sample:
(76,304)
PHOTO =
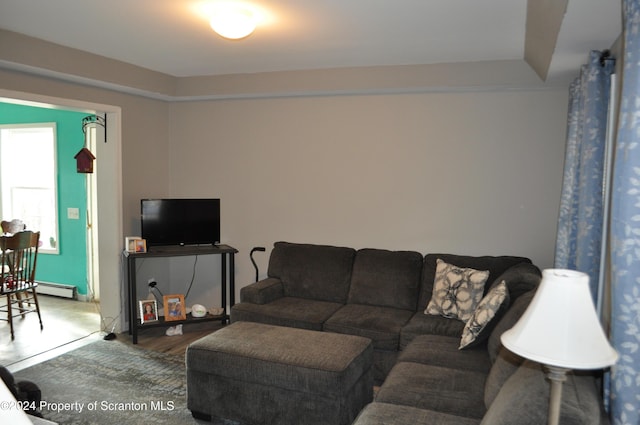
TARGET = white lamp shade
(560,327)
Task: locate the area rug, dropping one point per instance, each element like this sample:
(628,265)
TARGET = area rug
(109,382)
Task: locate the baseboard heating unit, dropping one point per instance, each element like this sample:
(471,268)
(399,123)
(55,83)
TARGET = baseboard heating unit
(57,289)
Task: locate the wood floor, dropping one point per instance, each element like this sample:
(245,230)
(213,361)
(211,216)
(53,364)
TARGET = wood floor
(65,323)
(69,324)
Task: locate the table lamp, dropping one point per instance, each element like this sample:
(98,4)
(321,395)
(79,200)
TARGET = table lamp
(561,330)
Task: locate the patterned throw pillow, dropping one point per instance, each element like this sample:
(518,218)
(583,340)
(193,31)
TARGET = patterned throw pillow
(456,291)
(481,324)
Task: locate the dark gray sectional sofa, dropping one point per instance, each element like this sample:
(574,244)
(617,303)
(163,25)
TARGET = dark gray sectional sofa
(425,378)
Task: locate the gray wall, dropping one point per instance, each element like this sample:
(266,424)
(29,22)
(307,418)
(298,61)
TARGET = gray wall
(461,166)
(465,172)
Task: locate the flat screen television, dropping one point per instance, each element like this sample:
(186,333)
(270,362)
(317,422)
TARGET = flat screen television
(180,221)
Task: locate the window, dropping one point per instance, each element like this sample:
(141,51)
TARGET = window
(28,179)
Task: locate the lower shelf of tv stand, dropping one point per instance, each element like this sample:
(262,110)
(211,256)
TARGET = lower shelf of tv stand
(224,318)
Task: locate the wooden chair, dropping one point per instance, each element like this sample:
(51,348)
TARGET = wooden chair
(19,255)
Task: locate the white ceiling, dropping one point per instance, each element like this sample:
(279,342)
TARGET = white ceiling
(169,36)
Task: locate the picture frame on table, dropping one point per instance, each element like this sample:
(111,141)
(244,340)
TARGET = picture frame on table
(141,245)
(130,243)
(174,308)
(135,244)
(148,311)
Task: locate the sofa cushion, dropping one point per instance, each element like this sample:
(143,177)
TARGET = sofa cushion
(524,399)
(426,324)
(495,265)
(456,291)
(504,366)
(392,414)
(287,311)
(509,319)
(386,278)
(381,324)
(317,272)
(383,362)
(485,317)
(446,390)
(438,350)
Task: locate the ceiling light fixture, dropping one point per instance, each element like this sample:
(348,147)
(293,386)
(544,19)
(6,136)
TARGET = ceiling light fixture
(233,20)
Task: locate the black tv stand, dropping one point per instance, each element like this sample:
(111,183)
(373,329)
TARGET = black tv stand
(227,254)
(181,247)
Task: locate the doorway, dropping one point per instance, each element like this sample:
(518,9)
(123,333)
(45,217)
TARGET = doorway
(106,222)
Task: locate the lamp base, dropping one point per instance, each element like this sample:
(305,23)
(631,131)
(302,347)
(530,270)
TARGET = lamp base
(556,375)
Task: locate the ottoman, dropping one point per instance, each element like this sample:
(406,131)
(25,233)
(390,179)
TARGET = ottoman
(255,373)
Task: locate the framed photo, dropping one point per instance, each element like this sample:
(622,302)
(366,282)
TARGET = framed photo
(141,245)
(148,311)
(174,308)
(130,243)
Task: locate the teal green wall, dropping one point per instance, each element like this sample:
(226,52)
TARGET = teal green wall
(70,265)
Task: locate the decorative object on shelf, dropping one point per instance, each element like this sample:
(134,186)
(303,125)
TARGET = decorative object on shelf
(148,311)
(174,308)
(561,330)
(198,310)
(141,245)
(130,243)
(217,311)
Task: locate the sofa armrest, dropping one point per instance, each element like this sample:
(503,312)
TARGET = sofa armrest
(263,291)
(524,399)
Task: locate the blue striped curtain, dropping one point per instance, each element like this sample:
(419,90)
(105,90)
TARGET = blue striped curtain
(580,223)
(625,232)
